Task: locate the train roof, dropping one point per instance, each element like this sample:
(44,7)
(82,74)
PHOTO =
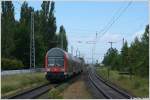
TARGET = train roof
(58,52)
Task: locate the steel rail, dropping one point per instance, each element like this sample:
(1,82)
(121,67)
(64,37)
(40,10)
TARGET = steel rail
(100,90)
(35,92)
(117,92)
(114,87)
(38,91)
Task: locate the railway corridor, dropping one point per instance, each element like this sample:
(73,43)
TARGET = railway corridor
(86,85)
(77,90)
(103,89)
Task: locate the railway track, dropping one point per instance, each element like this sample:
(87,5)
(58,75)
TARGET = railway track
(40,90)
(35,92)
(107,90)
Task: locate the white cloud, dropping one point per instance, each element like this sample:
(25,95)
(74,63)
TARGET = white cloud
(79,37)
(110,37)
(137,34)
(101,46)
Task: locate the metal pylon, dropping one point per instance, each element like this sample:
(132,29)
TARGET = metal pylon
(32,43)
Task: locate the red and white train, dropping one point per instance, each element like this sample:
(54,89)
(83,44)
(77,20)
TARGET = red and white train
(60,65)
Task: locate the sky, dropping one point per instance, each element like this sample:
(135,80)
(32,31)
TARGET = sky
(83,19)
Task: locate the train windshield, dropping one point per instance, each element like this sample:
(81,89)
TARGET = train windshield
(55,61)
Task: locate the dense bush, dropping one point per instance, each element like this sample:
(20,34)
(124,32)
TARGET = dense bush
(8,64)
(133,58)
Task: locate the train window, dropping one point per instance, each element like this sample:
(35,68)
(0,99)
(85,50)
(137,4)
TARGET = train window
(55,61)
(59,62)
(51,61)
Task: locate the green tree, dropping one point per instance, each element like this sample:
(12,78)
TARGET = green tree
(134,59)
(51,35)
(144,65)
(111,58)
(22,36)
(16,34)
(48,25)
(134,53)
(39,41)
(125,56)
(8,27)
(145,42)
(139,54)
(62,38)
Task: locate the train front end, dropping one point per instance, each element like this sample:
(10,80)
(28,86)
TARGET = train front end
(55,64)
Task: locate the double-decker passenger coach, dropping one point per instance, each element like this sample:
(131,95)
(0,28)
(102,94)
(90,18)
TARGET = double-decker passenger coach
(60,65)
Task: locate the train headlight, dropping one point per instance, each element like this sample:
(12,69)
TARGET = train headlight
(48,69)
(62,70)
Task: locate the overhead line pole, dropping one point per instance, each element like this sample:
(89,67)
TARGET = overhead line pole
(79,53)
(111,44)
(32,43)
(94,46)
(91,42)
(109,66)
(76,52)
(123,41)
(72,50)
(62,40)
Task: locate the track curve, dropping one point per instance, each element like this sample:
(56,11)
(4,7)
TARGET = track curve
(107,90)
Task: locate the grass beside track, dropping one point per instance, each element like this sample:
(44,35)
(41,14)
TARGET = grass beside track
(12,83)
(55,93)
(137,86)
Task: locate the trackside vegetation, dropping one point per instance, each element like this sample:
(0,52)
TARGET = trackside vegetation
(133,59)
(15,33)
(13,83)
(8,64)
(129,68)
(137,86)
(55,93)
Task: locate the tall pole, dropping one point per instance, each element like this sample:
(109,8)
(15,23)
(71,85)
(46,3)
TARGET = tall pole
(92,56)
(109,66)
(79,53)
(91,42)
(72,50)
(123,41)
(32,43)
(61,40)
(111,44)
(76,52)
(93,49)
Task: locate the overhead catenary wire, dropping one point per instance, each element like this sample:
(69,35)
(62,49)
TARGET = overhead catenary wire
(111,20)
(116,16)
(114,19)
(120,12)
(110,23)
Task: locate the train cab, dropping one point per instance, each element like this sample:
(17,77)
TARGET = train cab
(60,65)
